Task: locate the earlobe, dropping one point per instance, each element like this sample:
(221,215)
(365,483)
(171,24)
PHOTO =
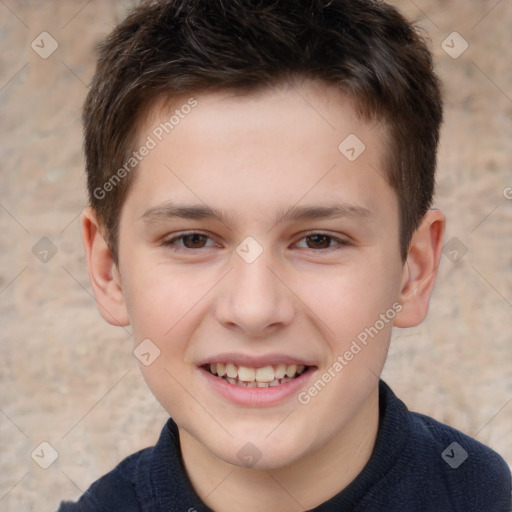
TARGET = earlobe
(103,273)
(420,269)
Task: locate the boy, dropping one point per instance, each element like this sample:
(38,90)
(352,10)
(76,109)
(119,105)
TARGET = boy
(260,177)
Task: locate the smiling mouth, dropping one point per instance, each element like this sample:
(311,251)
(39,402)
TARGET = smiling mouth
(264,377)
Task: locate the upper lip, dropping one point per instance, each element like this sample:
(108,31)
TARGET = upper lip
(251,361)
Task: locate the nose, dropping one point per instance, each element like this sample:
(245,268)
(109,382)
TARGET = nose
(253,299)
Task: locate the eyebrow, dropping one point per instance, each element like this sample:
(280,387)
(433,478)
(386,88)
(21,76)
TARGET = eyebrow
(323,212)
(170,210)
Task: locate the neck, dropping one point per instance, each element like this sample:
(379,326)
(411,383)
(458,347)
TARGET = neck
(302,485)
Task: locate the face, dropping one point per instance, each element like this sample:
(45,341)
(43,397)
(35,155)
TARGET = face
(253,242)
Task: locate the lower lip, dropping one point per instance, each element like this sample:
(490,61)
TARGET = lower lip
(256,397)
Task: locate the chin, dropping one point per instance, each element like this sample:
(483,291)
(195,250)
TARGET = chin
(261,453)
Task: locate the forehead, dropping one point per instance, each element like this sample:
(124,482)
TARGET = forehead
(269,149)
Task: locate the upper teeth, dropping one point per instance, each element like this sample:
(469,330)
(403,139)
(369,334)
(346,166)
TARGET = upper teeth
(247,374)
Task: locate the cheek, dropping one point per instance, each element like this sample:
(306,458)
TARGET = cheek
(164,309)
(359,305)
(158,300)
(350,299)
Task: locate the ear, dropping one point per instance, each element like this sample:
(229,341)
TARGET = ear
(103,273)
(420,269)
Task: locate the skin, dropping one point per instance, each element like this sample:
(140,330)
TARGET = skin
(253,157)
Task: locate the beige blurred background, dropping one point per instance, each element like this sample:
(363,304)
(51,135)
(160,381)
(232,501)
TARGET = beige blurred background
(70,380)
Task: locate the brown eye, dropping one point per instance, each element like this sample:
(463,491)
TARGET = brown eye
(194,241)
(318,241)
(187,241)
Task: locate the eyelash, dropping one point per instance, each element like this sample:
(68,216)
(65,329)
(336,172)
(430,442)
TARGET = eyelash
(171,242)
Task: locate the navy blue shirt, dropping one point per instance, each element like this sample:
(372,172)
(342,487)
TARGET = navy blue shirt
(417,465)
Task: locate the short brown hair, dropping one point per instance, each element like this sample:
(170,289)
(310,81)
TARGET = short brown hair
(366,48)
